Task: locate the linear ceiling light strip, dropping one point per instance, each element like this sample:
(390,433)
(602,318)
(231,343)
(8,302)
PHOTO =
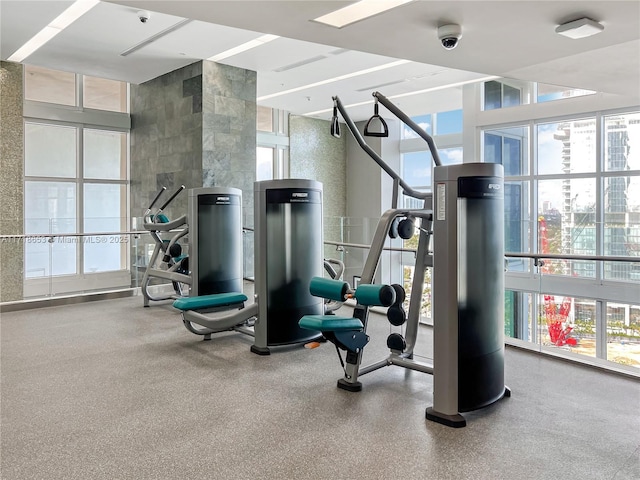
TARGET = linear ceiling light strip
(62,21)
(401,95)
(243,48)
(156,37)
(358,11)
(335,79)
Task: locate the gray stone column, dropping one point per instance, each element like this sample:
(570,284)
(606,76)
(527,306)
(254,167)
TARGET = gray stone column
(229,131)
(195,126)
(11,181)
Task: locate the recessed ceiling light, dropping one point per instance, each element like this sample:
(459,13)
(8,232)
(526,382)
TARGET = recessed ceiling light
(408,94)
(62,21)
(581,28)
(243,48)
(334,79)
(358,11)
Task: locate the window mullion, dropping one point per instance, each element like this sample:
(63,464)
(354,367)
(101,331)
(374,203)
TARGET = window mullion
(600,159)
(601,329)
(80,199)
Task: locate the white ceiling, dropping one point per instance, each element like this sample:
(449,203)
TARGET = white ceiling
(500,38)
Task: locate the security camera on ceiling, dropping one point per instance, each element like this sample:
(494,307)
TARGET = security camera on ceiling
(144,15)
(449,35)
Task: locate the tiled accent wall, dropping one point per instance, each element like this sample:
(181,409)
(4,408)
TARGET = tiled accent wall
(316,155)
(229,130)
(195,126)
(11,181)
(166,137)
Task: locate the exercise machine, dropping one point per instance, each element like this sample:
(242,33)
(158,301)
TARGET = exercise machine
(217,301)
(167,261)
(288,254)
(468,289)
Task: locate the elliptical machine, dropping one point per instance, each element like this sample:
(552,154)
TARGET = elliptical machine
(167,261)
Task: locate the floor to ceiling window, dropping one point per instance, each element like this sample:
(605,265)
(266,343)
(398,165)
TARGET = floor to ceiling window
(75,182)
(272,156)
(417,170)
(571,188)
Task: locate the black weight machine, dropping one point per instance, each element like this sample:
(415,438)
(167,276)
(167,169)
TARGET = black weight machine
(464,219)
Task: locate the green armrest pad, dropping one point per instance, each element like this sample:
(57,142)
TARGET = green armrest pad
(330,323)
(328,288)
(375,295)
(160,218)
(209,301)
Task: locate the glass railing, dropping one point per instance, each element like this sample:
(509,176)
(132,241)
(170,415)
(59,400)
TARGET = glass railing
(570,303)
(577,305)
(578,295)
(585,317)
(52,260)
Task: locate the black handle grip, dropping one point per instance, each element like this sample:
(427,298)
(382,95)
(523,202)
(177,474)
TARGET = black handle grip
(175,194)
(157,197)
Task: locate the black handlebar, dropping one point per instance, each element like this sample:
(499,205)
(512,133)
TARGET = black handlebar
(175,194)
(157,197)
(411,124)
(358,137)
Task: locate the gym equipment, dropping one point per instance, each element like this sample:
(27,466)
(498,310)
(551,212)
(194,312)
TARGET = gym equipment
(216,262)
(166,261)
(215,249)
(288,243)
(196,313)
(335,124)
(468,290)
(345,332)
(288,254)
(370,127)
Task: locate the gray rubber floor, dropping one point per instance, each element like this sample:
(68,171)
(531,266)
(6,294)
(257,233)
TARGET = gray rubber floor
(111,390)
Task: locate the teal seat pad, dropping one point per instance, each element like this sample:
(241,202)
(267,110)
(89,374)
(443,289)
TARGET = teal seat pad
(209,301)
(330,323)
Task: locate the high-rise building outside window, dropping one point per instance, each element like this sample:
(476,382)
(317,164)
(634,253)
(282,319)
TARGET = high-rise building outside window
(579,197)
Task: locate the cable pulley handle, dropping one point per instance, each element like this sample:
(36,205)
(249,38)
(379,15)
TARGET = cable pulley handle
(175,194)
(371,122)
(411,124)
(157,197)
